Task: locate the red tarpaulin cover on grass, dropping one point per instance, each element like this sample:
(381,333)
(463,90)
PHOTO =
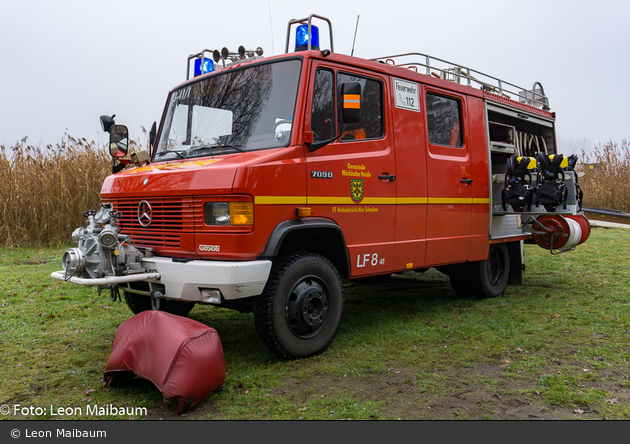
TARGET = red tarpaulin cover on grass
(182,357)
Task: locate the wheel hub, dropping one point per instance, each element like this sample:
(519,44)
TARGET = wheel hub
(307,307)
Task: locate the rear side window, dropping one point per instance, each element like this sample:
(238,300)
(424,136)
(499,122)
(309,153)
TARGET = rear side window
(444,120)
(370,126)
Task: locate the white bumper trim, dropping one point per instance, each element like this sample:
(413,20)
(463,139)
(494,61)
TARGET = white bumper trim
(184,280)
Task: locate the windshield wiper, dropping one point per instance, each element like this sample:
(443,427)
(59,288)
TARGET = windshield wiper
(170,152)
(215,147)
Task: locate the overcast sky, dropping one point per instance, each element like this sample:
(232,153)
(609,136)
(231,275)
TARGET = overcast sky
(66,62)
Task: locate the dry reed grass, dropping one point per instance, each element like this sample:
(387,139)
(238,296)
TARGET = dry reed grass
(45,191)
(606,180)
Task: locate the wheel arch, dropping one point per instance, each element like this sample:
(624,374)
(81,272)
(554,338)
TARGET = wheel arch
(317,235)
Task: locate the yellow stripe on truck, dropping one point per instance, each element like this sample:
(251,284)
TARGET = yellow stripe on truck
(339,200)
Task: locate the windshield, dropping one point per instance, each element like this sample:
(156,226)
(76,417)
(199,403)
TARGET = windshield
(241,110)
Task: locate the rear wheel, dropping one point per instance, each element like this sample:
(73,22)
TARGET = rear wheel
(483,279)
(299,312)
(138,303)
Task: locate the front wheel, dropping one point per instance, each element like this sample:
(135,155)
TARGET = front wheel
(483,279)
(299,312)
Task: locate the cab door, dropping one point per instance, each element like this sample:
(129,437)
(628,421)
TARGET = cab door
(352,180)
(449,178)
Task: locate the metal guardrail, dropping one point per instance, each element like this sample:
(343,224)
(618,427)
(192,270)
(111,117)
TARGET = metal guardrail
(605,215)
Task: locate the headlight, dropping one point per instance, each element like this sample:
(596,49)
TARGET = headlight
(217,213)
(229,213)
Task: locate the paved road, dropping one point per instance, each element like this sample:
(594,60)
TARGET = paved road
(601,223)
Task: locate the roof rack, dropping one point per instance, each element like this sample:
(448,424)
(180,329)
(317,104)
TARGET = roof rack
(460,74)
(222,56)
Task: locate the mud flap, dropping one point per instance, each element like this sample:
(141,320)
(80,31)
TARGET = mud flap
(516,263)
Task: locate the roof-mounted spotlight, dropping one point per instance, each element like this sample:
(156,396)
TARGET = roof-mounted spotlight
(205,64)
(107,122)
(243,53)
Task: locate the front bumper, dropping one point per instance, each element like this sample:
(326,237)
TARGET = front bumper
(186,280)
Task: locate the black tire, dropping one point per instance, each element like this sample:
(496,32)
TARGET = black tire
(483,279)
(299,312)
(138,303)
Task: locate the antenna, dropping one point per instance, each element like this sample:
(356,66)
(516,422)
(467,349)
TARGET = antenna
(271,26)
(355,36)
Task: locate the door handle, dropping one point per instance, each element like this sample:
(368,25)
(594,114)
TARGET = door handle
(466,181)
(387,177)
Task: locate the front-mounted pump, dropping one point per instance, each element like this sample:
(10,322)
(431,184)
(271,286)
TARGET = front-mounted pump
(101,251)
(103,256)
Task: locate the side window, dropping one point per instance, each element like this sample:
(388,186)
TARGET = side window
(444,117)
(323,112)
(370,126)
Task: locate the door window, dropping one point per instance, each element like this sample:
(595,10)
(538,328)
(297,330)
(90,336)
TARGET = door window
(370,126)
(444,117)
(323,116)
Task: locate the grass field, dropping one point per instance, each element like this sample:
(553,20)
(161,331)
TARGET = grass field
(556,347)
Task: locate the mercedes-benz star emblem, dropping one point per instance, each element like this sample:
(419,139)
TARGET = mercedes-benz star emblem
(145,213)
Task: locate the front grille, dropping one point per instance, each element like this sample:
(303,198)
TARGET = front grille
(171,217)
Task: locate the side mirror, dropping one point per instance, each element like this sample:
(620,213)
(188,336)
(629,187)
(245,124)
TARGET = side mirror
(118,140)
(351,97)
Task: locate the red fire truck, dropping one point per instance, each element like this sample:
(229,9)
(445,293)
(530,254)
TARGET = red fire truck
(271,179)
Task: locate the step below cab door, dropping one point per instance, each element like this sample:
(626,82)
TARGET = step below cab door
(352,181)
(449,178)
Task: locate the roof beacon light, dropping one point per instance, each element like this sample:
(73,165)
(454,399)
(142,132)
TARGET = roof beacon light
(307,34)
(208,66)
(302,39)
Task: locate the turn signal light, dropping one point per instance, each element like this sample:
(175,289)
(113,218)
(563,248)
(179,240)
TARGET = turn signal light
(303,212)
(241,213)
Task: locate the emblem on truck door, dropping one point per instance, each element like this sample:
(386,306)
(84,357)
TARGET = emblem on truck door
(356,189)
(145,213)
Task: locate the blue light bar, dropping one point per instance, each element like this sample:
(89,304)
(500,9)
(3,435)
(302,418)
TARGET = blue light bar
(301,38)
(208,66)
